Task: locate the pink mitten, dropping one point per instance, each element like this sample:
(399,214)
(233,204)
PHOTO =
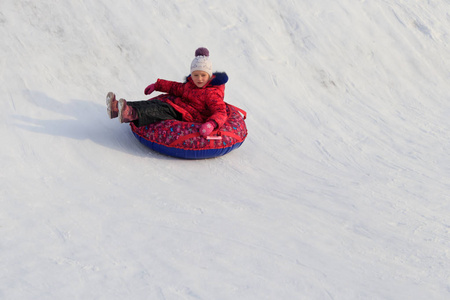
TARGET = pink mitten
(207,128)
(150,89)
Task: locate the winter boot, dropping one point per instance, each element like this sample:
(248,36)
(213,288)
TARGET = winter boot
(112,107)
(127,113)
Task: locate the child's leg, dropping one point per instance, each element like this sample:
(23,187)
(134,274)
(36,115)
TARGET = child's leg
(127,113)
(151,111)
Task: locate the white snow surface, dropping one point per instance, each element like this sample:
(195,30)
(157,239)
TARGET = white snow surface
(341,190)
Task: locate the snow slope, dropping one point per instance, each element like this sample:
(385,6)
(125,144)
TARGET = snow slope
(341,190)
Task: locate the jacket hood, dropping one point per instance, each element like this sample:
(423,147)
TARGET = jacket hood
(220,78)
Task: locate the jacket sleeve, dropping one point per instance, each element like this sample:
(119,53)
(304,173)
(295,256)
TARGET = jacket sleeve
(170,87)
(217,107)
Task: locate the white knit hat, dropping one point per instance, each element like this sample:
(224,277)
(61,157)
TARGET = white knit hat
(201,61)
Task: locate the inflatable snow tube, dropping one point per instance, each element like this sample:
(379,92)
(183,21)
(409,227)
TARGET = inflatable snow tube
(182,139)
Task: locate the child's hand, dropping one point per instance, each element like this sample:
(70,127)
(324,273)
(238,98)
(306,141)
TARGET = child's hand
(150,89)
(207,128)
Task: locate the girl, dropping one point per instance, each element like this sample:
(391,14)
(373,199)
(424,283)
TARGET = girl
(199,99)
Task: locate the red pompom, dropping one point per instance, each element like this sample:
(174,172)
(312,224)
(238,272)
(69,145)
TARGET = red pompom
(202,52)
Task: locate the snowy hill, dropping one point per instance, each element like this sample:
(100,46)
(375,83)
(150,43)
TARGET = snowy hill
(341,190)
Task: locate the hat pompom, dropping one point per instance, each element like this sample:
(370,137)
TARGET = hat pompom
(201,52)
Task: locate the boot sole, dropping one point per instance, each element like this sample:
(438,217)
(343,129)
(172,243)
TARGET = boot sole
(121,102)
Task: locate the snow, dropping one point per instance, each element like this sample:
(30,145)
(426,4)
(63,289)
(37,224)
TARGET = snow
(341,190)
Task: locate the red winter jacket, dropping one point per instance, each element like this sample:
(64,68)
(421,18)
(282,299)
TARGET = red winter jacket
(197,104)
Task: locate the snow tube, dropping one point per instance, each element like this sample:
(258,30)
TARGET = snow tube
(182,139)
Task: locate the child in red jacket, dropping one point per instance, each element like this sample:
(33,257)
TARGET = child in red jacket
(199,99)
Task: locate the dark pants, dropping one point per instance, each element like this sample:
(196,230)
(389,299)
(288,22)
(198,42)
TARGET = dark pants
(152,111)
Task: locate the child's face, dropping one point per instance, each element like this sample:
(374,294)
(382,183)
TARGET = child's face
(200,78)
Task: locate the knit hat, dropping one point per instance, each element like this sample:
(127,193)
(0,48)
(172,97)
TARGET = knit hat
(201,61)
